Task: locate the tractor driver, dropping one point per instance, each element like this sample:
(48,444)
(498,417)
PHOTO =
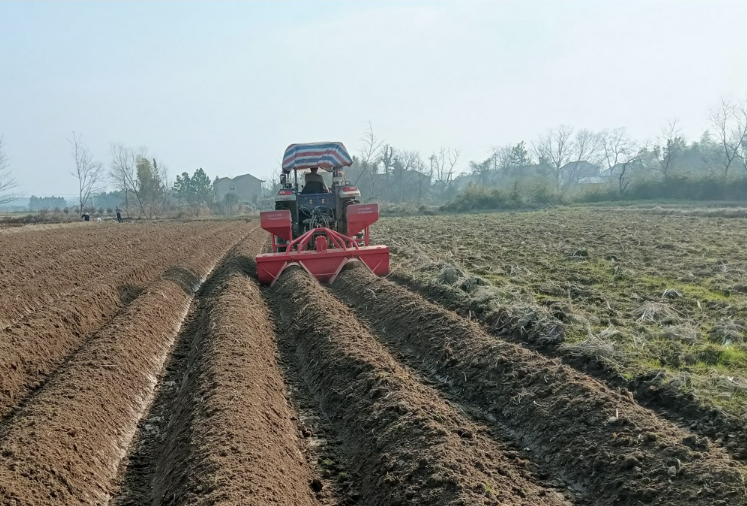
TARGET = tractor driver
(314,182)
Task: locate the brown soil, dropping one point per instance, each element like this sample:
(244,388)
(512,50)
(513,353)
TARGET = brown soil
(70,263)
(63,446)
(597,270)
(23,246)
(597,439)
(298,394)
(227,433)
(25,250)
(681,408)
(406,443)
(35,346)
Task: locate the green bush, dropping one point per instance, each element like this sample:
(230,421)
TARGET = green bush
(539,193)
(475,197)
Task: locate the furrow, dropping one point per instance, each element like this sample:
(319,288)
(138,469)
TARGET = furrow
(65,444)
(681,408)
(404,442)
(228,432)
(607,445)
(31,349)
(24,290)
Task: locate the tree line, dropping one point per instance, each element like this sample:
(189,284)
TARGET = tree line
(141,184)
(146,188)
(565,163)
(560,162)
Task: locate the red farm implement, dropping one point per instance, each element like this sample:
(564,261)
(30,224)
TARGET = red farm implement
(322,252)
(317,226)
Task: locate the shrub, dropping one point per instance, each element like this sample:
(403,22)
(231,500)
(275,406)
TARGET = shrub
(686,187)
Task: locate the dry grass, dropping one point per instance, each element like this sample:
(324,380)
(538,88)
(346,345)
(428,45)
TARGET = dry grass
(687,333)
(645,291)
(597,347)
(656,312)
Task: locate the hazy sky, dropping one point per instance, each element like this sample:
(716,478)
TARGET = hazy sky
(228,85)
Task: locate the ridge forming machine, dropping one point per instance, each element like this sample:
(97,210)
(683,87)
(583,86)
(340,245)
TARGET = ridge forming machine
(318,228)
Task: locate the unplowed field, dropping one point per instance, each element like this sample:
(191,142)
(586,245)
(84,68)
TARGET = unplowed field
(143,365)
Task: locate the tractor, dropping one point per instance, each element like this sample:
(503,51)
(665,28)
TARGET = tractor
(318,228)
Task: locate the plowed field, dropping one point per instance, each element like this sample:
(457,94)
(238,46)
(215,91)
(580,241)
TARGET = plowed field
(143,365)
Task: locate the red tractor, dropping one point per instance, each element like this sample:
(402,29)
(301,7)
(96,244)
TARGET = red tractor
(319,228)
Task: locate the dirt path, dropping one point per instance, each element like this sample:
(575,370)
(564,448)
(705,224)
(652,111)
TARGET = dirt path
(407,443)
(64,445)
(603,442)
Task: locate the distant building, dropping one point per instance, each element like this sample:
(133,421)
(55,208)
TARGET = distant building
(629,169)
(581,172)
(247,187)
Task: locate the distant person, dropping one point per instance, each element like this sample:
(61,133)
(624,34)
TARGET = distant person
(119,215)
(85,217)
(315,182)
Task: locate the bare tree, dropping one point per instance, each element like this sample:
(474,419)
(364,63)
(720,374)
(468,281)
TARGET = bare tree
(555,147)
(453,155)
(370,157)
(442,164)
(424,178)
(441,171)
(730,122)
(583,151)
(123,173)
(387,161)
(502,157)
(7,182)
(669,149)
(163,175)
(586,147)
(407,161)
(133,173)
(90,173)
(619,152)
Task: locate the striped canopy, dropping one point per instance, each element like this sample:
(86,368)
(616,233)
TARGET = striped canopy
(325,155)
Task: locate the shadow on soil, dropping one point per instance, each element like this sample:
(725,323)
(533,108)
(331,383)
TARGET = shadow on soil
(184,278)
(128,293)
(166,429)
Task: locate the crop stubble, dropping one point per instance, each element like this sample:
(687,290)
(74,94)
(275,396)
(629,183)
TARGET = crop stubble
(596,439)
(408,443)
(650,303)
